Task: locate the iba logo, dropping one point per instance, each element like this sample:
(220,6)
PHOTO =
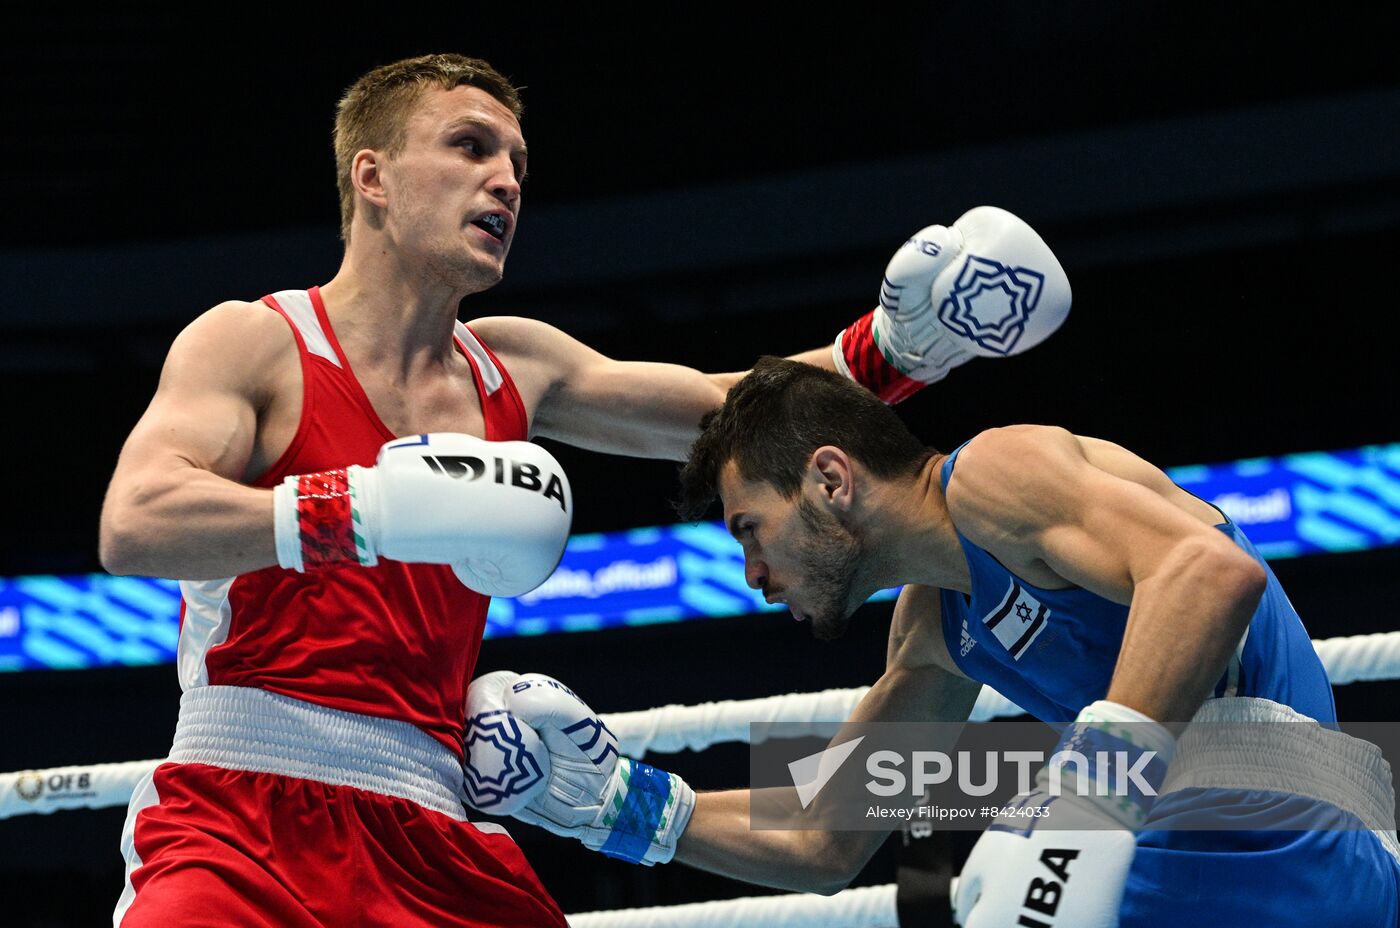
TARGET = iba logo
(1043,895)
(520,474)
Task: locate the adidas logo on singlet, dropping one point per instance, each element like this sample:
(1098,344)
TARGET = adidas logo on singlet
(968,642)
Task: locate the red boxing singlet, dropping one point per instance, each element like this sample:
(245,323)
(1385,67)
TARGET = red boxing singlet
(396,640)
(315,777)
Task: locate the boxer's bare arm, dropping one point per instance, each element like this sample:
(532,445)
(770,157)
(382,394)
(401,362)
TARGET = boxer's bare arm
(175,507)
(1093,514)
(919,685)
(579,396)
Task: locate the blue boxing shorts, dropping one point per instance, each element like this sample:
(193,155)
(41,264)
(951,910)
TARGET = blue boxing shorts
(1268,820)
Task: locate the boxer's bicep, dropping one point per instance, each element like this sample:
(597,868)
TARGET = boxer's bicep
(925,693)
(204,411)
(578,395)
(916,631)
(176,479)
(637,408)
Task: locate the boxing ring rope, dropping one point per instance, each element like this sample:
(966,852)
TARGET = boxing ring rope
(673,728)
(864,907)
(1359,658)
(669,729)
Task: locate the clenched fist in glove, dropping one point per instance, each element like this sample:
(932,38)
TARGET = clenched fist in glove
(1060,857)
(985,287)
(498,512)
(613,804)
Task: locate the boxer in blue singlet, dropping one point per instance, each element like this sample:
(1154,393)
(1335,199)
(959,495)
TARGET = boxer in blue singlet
(1079,581)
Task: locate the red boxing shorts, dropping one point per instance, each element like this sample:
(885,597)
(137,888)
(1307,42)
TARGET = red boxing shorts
(207,845)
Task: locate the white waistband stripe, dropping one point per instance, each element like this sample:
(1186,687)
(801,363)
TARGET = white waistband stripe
(243,728)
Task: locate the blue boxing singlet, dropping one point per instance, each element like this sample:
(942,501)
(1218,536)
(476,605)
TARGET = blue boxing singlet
(1052,652)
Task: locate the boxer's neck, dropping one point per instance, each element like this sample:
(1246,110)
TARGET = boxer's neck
(909,528)
(398,308)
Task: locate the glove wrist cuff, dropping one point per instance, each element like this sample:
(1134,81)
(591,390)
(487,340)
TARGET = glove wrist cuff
(318,521)
(646,814)
(860,356)
(1113,758)
(285,528)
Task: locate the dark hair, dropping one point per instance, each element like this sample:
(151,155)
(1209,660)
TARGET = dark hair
(374,111)
(781,412)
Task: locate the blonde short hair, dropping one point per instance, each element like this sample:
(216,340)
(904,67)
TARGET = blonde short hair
(374,111)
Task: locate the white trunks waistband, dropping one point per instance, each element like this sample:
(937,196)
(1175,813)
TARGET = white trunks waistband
(244,728)
(1249,743)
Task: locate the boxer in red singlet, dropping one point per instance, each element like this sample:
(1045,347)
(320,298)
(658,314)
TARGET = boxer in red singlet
(333,607)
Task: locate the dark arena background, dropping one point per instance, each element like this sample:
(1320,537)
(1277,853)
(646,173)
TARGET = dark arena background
(1221,183)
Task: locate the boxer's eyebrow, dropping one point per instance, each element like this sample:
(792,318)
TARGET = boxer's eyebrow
(486,125)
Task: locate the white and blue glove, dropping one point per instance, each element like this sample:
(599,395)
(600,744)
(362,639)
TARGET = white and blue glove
(987,286)
(1064,860)
(613,804)
(507,764)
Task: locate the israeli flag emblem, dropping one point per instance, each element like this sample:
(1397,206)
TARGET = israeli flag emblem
(1017,621)
(990,303)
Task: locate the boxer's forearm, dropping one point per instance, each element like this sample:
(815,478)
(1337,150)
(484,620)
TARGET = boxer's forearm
(187,524)
(719,840)
(817,357)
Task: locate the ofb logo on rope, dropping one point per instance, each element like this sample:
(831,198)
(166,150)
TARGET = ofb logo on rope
(29,785)
(991,303)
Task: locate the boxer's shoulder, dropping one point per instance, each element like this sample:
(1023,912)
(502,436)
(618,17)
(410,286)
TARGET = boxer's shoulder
(241,355)
(1010,486)
(1002,471)
(538,355)
(519,339)
(242,346)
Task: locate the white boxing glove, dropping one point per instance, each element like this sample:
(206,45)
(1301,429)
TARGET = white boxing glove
(620,807)
(507,764)
(498,512)
(986,287)
(1062,859)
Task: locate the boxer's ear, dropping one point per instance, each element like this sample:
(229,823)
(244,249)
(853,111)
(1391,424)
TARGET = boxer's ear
(367,177)
(831,470)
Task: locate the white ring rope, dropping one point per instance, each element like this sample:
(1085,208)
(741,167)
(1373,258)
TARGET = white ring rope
(95,786)
(865,907)
(674,728)
(667,729)
(1360,657)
